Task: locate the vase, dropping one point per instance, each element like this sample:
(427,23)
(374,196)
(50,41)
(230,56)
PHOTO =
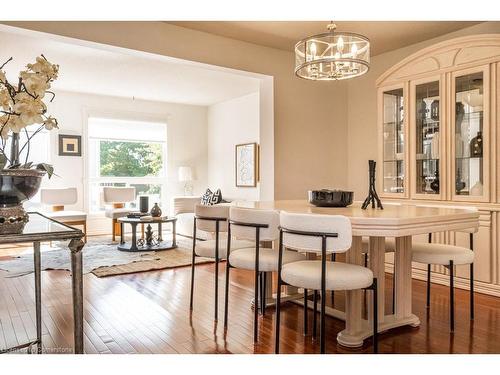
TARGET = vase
(16,187)
(459,184)
(156,210)
(477,189)
(435,110)
(435,146)
(435,183)
(144,204)
(476,145)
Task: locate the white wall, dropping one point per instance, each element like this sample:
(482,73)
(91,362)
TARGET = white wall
(230,123)
(186,143)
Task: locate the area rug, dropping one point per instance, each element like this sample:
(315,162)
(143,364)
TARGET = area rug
(102,258)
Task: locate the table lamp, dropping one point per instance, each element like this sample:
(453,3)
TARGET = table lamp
(186,176)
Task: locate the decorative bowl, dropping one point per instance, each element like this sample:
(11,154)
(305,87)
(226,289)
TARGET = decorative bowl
(330,198)
(16,187)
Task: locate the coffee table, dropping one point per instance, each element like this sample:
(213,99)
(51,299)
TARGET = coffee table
(152,241)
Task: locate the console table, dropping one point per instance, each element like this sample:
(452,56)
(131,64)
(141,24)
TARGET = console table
(41,228)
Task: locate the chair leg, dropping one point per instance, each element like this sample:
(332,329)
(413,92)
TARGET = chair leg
(428,305)
(305,311)
(322,338)
(256,307)
(471,276)
(263,293)
(85,231)
(226,300)
(333,292)
(192,283)
(192,268)
(375,317)
(113,233)
(394,290)
(315,313)
(452,299)
(216,302)
(278,315)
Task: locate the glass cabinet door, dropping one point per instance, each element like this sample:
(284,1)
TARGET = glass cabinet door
(393,141)
(427,138)
(469,102)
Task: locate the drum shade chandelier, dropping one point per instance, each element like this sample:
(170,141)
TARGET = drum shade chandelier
(332,56)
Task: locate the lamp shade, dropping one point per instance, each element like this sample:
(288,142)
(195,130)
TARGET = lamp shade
(185,174)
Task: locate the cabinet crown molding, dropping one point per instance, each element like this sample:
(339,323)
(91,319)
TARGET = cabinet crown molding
(444,56)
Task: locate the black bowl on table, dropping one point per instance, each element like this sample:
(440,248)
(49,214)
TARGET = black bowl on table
(330,198)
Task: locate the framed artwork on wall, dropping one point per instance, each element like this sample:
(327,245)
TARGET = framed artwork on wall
(247,164)
(70,145)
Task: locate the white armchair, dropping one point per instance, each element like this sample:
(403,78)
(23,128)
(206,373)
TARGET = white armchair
(115,198)
(57,199)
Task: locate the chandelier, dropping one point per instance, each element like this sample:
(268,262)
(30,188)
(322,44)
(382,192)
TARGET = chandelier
(332,56)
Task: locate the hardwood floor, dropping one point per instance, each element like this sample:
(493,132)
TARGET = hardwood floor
(149,313)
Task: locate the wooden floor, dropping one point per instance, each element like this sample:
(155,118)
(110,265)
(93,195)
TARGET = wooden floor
(149,313)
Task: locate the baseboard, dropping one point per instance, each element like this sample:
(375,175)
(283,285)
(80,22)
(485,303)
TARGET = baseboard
(461,283)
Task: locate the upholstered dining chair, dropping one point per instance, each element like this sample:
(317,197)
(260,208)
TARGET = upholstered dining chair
(212,219)
(321,235)
(257,225)
(58,199)
(449,256)
(115,199)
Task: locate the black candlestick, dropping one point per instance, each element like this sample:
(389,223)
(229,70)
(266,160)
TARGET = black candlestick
(372,193)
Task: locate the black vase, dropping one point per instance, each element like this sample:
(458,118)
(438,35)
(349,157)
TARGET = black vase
(435,183)
(435,110)
(144,204)
(156,210)
(476,145)
(459,184)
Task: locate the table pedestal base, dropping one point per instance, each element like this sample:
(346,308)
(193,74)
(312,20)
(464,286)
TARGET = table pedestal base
(355,340)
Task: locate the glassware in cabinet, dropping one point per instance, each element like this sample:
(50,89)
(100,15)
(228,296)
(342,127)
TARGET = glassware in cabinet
(393,130)
(469,106)
(427,137)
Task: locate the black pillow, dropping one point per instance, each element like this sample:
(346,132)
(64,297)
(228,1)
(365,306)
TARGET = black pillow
(216,197)
(206,198)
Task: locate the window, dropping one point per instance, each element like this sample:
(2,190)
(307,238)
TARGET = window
(126,153)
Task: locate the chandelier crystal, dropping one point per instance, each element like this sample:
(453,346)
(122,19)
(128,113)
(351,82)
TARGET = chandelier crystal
(332,56)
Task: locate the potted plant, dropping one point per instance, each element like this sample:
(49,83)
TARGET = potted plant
(22,105)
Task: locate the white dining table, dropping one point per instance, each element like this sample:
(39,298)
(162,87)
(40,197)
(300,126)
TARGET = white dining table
(399,221)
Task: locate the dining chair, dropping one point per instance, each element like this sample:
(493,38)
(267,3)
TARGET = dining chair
(320,235)
(211,219)
(116,198)
(257,225)
(448,256)
(58,199)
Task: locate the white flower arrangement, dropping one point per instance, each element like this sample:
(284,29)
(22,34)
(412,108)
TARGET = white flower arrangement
(22,105)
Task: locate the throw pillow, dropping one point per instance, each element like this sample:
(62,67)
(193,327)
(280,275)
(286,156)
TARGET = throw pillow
(216,197)
(206,198)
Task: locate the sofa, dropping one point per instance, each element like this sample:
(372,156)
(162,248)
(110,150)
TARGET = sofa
(182,207)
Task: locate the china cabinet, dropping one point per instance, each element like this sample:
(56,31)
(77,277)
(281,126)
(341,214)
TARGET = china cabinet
(438,141)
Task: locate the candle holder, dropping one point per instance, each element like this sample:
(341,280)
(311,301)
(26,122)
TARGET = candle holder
(372,193)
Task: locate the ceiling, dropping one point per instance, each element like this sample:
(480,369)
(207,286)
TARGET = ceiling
(384,35)
(118,73)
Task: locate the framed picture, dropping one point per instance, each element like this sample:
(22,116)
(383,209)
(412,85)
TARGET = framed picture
(247,171)
(70,145)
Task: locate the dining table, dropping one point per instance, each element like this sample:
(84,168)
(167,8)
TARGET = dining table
(395,220)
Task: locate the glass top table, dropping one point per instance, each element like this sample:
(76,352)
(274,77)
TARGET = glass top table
(40,228)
